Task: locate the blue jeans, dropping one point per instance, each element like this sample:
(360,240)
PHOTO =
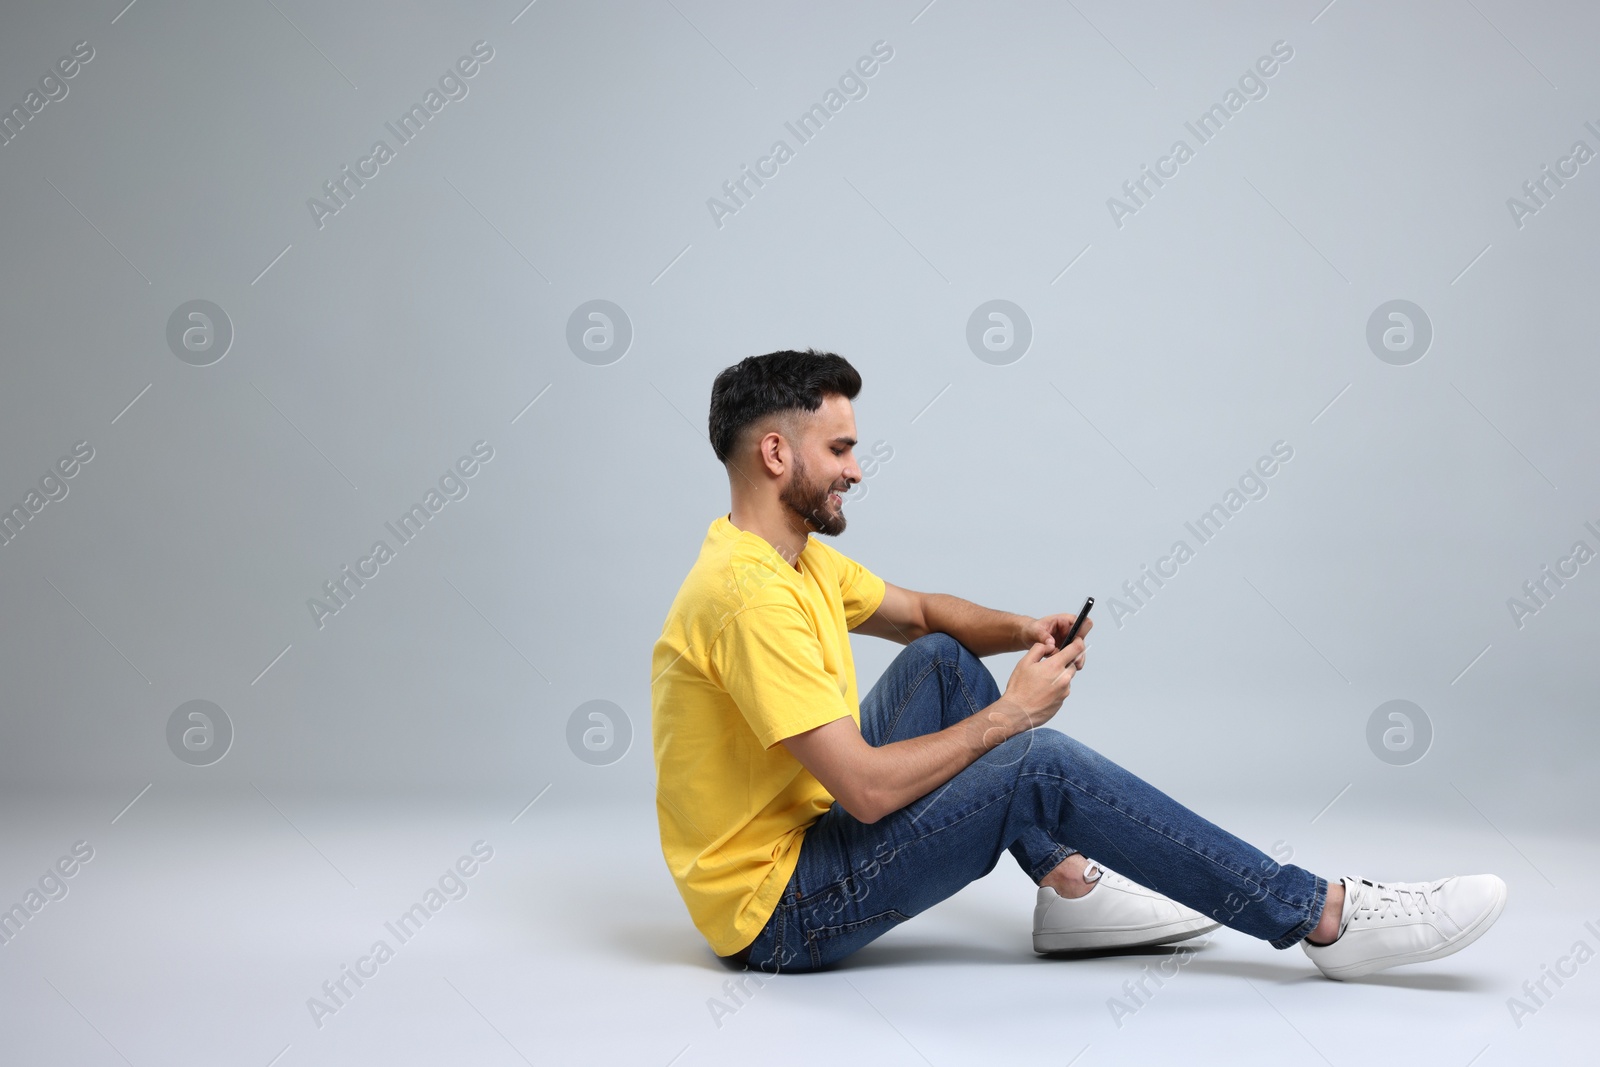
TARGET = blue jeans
(1042,796)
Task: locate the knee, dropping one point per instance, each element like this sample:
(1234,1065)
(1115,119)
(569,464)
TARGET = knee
(940,647)
(1044,750)
(947,652)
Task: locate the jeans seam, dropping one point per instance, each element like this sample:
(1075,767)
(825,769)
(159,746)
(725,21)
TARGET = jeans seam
(1303,929)
(822,933)
(972,704)
(1153,828)
(933,664)
(911,691)
(777,949)
(1057,858)
(958,819)
(1007,796)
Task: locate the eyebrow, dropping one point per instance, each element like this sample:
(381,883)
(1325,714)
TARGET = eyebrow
(848,442)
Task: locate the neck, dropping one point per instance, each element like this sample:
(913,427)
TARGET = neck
(786,532)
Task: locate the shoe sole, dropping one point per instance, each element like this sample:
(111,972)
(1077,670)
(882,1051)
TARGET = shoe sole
(1164,934)
(1471,934)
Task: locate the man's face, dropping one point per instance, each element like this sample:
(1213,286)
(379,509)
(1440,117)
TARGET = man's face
(824,466)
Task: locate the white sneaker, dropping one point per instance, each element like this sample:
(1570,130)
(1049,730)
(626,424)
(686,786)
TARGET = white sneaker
(1116,913)
(1387,924)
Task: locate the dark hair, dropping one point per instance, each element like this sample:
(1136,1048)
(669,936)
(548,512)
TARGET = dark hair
(758,386)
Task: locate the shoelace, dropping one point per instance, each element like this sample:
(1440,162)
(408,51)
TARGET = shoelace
(1095,872)
(1382,900)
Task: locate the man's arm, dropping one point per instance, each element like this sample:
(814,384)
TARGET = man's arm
(872,782)
(906,615)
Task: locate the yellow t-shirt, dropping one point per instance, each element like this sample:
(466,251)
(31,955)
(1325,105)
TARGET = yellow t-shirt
(753,650)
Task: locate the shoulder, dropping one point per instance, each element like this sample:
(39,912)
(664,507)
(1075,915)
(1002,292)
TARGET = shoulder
(832,557)
(729,584)
(755,575)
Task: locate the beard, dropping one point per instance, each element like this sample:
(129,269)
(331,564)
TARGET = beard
(810,501)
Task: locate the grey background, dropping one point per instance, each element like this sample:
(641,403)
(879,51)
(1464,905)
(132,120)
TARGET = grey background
(436,709)
(1226,315)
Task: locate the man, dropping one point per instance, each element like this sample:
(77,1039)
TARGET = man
(799,826)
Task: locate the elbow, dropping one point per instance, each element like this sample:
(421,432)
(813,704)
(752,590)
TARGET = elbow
(918,627)
(864,808)
(866,818)
(921,626)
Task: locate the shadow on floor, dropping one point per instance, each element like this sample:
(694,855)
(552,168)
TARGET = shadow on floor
(662,945)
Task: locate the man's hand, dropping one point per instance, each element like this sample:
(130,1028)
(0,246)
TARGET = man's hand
(1040,681)
(1051,630)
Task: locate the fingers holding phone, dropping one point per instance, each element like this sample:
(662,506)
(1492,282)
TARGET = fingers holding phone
(1081,625)
(1042,680)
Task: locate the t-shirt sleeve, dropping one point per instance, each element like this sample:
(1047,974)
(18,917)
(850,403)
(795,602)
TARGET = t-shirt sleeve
(861,590)
(769,661)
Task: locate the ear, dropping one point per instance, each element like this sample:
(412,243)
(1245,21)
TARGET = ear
(774,452)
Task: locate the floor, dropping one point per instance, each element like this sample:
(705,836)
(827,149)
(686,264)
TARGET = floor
(201,930)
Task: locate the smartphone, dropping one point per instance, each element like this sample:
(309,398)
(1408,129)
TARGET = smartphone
(1077,624)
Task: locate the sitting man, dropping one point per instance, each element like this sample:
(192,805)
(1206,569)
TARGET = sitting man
(799,827)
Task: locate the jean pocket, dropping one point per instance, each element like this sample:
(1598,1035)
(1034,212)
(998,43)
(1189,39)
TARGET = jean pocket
(873,924)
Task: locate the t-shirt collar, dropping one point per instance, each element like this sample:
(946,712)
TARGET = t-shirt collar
(724,523)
